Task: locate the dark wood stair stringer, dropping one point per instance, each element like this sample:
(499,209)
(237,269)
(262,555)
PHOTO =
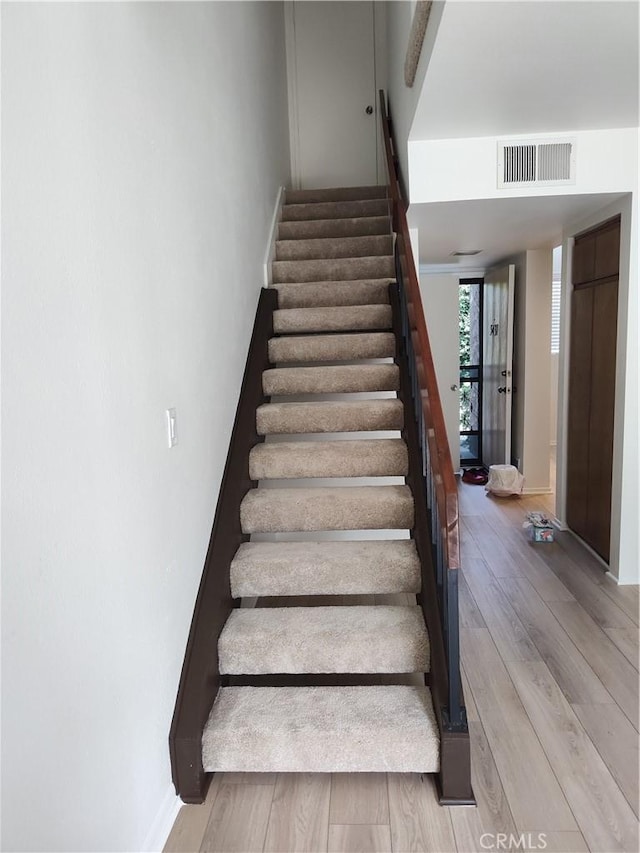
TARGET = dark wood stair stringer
(200,678)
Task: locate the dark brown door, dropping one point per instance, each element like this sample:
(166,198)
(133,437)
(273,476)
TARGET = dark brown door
(592,370)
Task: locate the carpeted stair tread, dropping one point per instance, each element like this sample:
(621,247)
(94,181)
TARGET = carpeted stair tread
(324,294)
(334,247)
(332,347)
(364,567)
(309,229)
(334,379)
(335,209)
(378,638)
(335,194)
(334,269)
(347,416)
(332,319)
(366,458)
(390,728)
(330,508)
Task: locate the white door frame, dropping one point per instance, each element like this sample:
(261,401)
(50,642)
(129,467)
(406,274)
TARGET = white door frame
(380,82)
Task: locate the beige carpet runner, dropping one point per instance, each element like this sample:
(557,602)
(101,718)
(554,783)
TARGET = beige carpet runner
(332,355)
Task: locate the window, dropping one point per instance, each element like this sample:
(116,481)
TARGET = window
(470,335)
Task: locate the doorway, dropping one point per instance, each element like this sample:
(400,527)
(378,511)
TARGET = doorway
(470,345)
(592,378)
(497,364)
(332,94)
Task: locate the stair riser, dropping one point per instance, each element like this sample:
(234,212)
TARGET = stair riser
(331,380)
(341,247)
(376,508)
(334,319)
(331,348)
(305,640)
(318,228)
(325,568)
(335,210)
(322,730)
(376,458)
(344,269)
(292,418)
(333,293)
(335,194)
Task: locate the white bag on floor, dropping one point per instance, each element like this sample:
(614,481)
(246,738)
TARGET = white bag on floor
(504,480)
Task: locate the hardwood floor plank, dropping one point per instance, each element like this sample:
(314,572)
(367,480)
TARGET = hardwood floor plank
(626,597)
(605,819)
(489,546)
(585,589)
(363,838)
(247,778)
(514,744)
(238,820)
(626,639)
(589,564)
(472,711)
(299,820)
(359,798)
(607,661)
(418,822)
(563,842)
(188,829)
(469,614)
(578,681)
(526,555)
(492,814)
(617,742)
(507,631)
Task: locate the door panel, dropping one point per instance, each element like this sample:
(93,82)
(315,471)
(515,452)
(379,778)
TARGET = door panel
(592,377)
(607,252)
(605,313)
(497,365)
(334,71)
(579,410)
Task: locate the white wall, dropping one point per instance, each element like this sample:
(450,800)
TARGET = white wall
(440,299)
(403,99)
(143,147)
(465,169)
(625,545)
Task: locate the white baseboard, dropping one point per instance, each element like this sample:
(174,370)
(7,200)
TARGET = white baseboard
(273,236)
(533,491)
(163,823)
(611,577)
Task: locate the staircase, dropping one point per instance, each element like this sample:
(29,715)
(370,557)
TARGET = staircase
(325,630)
(352,701)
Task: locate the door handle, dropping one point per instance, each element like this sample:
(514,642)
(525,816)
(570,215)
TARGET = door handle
(502,389)
(454,387)
(369,110)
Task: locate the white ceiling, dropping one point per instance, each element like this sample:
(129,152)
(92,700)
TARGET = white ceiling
(517,67)
(500,68)
(500,227)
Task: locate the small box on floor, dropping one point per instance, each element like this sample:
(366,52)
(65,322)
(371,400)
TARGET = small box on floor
(539,527)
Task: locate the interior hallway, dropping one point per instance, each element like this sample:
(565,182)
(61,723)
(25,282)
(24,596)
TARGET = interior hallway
(550,670)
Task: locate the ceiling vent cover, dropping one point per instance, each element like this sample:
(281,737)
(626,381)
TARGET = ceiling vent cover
(547,163)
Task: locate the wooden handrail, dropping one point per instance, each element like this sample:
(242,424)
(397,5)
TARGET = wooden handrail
(446,492)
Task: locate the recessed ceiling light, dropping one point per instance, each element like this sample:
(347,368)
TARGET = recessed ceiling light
(465,253)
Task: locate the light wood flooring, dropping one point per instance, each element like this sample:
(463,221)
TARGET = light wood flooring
(550,670)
